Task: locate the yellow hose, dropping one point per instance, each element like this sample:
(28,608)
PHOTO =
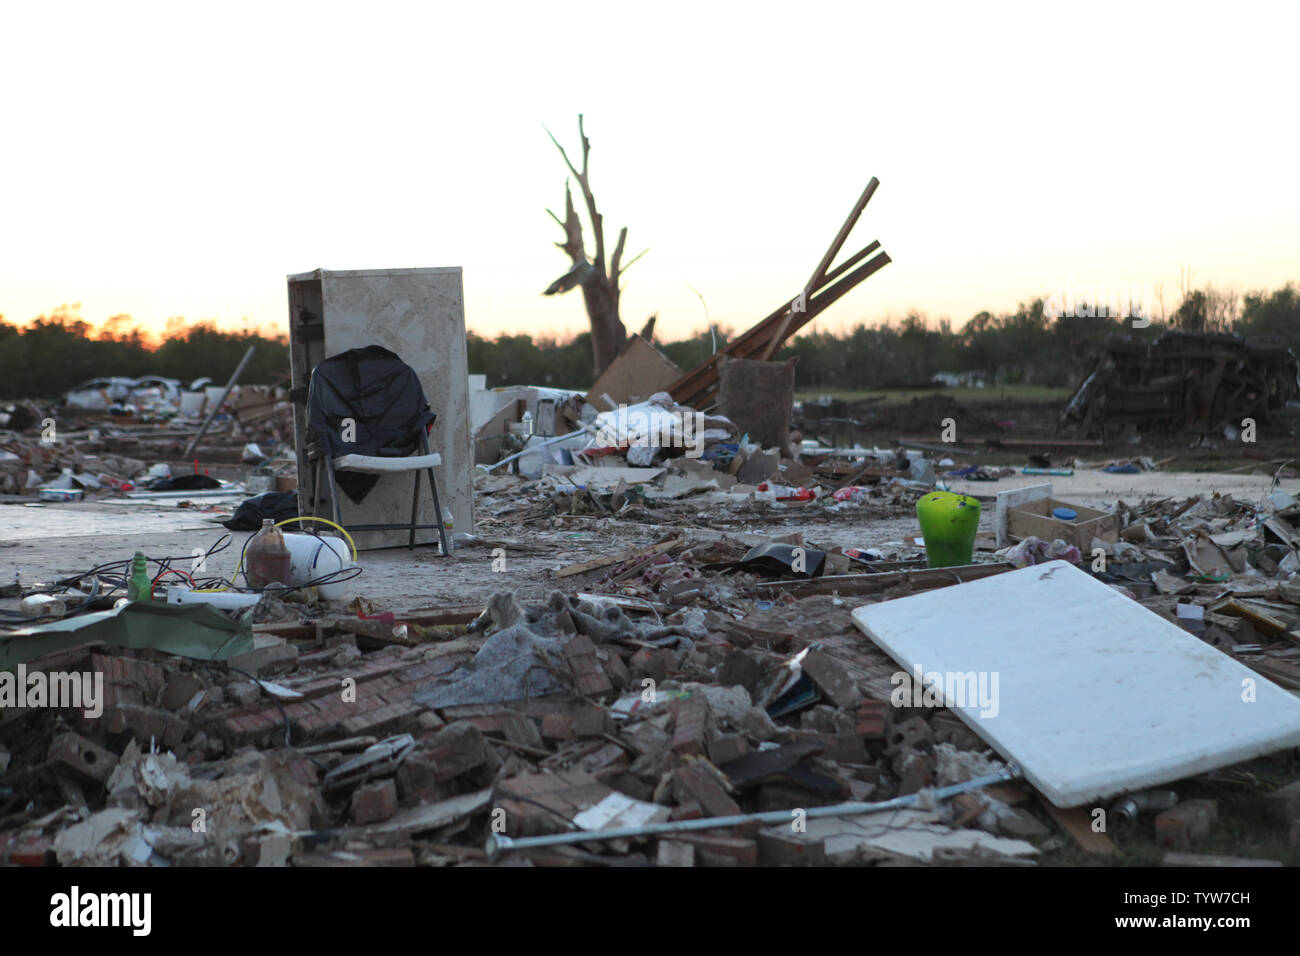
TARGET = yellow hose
(327,521)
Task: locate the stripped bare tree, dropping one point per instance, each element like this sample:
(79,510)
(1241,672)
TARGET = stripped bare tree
(600,285)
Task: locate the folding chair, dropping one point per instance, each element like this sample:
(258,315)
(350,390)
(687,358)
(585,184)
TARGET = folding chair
(367,417)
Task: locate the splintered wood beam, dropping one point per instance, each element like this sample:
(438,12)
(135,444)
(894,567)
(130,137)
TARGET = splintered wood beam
(760,331)
(699,385)
(840,237)
(763,339)
(823,300)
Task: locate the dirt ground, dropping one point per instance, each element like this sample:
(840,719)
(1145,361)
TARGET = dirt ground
(50,541)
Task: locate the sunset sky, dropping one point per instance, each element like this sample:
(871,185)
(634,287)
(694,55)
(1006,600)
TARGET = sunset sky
(182,159)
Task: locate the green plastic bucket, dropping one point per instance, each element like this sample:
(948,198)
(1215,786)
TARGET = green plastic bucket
(948,524)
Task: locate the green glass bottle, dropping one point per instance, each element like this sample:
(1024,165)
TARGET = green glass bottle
(138,586)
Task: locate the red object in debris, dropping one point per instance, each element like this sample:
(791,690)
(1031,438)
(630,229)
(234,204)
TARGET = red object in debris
(117,483)
(785,493)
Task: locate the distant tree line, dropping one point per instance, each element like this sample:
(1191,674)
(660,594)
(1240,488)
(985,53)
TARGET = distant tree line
(54,354)
(1027,346)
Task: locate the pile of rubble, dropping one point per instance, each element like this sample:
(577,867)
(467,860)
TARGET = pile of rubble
(1184,381)
(645,694)
(80,451)
(359,746)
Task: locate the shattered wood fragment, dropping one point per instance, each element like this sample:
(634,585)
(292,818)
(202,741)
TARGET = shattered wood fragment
(1077,822)
(597,563)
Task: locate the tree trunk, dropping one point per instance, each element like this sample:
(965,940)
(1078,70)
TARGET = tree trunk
(600,289)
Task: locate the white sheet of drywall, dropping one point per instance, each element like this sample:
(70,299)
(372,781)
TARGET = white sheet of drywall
(1096,695)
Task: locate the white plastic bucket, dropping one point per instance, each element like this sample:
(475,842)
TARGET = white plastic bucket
(312,557)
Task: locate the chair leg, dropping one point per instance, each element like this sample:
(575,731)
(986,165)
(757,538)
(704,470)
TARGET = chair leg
(334,492)
(437,505)
(437,509)
(415,509)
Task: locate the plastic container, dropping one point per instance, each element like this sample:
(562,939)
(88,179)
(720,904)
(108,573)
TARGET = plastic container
(139,587)
(43,605)
(266,559)
(61,494)
(225,600)
(949,523)
(449,525)
(312,557)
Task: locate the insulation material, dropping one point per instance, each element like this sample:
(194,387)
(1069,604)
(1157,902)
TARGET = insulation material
(1097,695)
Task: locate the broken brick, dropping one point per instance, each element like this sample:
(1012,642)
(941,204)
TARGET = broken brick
(832,679)
(605,762)
(591,721)
(83,757)
(718,850)
(615,669)
(152,724)
(652,662)
(589,675)
(871,718)
(674,853)
(724,748)
(740,669)
(374,802)
(543,802)
(691,716)
(276,659)
(457,748)
(522,730)
(695,783)
(557,727)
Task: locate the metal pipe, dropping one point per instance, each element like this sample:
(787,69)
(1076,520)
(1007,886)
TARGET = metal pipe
(498,843)
(234,379)
(552,441)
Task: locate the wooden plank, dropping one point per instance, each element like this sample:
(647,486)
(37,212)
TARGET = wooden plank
(760,331)
(842,235)
(596,564)
(1077,821)
(920,579)
(872,470)
(778,336)
(698,386)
